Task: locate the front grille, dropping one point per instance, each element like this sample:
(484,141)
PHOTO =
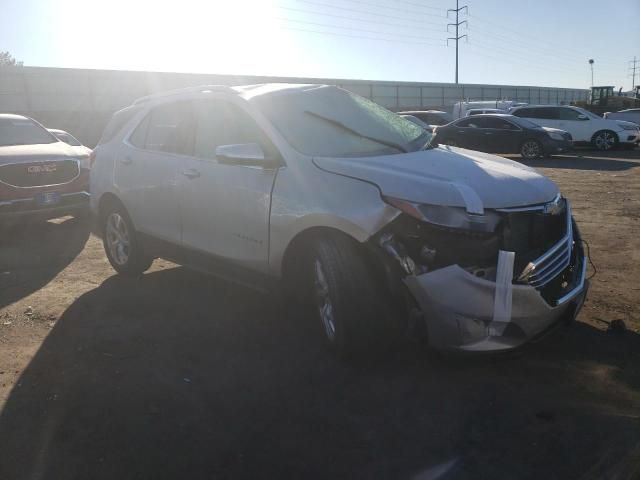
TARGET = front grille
(532,233)
(547,267)
(39,174)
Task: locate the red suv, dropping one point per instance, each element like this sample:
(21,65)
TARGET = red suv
(40,176)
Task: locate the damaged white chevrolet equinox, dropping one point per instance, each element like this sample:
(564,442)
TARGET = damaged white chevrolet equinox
(349,205)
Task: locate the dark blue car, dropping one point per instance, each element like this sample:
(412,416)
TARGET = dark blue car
(501,133)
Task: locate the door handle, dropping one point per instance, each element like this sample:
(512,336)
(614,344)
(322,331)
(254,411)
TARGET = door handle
(191,173)
(488,133)
(127,160)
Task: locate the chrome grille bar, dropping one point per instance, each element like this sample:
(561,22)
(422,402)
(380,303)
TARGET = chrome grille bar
(545,268)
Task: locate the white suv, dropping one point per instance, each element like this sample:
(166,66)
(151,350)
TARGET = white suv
(584,126)
(346,202)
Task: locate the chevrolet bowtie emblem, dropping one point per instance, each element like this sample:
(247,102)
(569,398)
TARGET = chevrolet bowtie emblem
(553,207)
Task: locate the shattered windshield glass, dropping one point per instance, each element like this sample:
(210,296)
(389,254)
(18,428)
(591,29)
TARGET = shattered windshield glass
(331,122)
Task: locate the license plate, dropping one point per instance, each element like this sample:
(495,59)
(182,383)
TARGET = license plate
(48,198)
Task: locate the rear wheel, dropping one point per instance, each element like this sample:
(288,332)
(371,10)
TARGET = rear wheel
(349,298)
(604,140)
(531,149)
(121,243)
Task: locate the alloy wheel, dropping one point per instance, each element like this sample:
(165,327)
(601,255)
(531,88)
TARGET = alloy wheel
(531,149)
(605,141)
(323,299)
(118,239)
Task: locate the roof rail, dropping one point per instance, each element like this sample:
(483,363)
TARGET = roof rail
(177,91)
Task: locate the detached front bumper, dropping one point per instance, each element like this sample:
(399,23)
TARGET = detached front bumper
(458,308)
(25,209)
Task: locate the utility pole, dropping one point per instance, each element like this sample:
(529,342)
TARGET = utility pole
(457,25)
(633,72)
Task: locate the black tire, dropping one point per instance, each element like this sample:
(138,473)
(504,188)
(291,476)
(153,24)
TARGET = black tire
(531,149)
(128,259)
(357,301)
(604,140)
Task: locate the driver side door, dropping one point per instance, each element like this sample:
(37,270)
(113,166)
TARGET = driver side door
(225,207)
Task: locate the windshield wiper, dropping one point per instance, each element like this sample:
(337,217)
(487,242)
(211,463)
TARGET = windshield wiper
(338,123)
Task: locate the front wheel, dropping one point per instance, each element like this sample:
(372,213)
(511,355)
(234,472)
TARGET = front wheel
(349,299)
(604,140)
(531,149)
(121,244)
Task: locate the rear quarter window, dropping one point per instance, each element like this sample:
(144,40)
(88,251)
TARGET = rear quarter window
(117,122)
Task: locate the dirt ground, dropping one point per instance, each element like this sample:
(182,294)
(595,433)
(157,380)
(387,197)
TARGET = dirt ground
(178,375)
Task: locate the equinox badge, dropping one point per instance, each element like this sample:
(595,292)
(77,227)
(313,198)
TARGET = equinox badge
(42,168)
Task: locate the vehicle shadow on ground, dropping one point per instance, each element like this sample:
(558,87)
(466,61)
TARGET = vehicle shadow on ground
(178,375)
(32,254)
(588,160)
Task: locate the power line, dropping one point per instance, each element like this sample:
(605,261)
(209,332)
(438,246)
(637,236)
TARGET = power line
(355,10)
(395,9)
(418,5)
(335,34)
(420,37)
(536,39)
(516,51)
(457,25)
(342,17)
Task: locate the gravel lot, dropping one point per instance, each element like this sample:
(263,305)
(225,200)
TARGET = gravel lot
(178,375)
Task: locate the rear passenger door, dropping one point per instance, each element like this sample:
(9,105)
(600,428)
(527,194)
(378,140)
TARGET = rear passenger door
(500,136)
(581,129)
(467,133)
(147,172)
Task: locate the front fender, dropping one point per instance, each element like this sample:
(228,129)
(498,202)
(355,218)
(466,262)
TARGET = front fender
(329,201)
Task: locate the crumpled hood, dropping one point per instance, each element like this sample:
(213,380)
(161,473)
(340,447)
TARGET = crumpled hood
(36,153)
(448,176)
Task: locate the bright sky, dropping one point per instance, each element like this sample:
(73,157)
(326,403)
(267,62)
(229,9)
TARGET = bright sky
(544,42)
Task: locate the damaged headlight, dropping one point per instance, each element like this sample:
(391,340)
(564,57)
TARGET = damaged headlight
(448,217)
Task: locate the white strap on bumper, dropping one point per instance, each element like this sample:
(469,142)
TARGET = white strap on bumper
(472,201)
(502,301)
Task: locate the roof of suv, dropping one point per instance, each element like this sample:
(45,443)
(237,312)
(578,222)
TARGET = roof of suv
(12,116)
(244,91)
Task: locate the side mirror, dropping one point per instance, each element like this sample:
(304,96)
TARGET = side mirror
(582,116)
(241,154)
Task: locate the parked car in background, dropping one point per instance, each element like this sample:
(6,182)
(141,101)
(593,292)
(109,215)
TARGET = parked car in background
(585,127)
(501,133)
(480,111)
(418,122)
(72,141)
(630,115)
(349,204)
(460,109)
(433,118)
(40,176)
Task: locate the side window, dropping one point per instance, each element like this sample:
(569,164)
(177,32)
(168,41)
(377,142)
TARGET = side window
(139,136)
(171,128)
(569,114)
(498,123)
(223,123)
(548,113)
(469,123)
(526,113)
